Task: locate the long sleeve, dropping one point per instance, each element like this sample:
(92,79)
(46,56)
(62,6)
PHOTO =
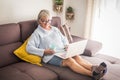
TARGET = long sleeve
(33,45)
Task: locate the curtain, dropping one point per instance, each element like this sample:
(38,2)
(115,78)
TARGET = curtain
(106,22)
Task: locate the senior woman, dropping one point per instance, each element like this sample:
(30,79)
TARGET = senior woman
(41,41)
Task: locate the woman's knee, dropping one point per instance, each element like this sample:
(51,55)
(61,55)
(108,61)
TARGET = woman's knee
(69,62)
(77,57)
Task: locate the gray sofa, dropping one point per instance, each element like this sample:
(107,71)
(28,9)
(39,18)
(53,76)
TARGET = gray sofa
(12,36)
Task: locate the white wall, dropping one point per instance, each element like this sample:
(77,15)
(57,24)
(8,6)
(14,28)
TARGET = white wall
(78,24)
(106,27)
(18,10)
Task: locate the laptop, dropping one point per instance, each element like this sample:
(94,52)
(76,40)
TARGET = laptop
(75,48)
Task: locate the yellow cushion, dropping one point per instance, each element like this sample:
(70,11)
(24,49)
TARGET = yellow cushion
(24,55)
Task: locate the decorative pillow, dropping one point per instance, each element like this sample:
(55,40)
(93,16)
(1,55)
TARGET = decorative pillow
(66,32)
(22,54)
(92,48)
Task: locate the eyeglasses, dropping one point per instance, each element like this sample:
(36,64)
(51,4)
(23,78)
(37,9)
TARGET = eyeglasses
(43,21)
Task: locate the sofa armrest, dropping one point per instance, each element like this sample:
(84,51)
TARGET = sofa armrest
(76,38)
(92,46)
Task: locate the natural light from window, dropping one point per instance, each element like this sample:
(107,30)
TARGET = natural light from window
(106,26)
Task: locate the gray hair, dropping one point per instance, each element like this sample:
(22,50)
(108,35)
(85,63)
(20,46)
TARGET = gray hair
(43,13)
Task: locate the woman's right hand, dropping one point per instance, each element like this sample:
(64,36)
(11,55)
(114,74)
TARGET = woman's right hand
(49,52)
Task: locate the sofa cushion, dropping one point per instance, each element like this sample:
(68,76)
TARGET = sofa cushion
(24,55)
(56,21)
(9,33)
(26,71)
(27,28)
(65,73)
(92,46)
(112,67)
(11,73)
(6,54)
